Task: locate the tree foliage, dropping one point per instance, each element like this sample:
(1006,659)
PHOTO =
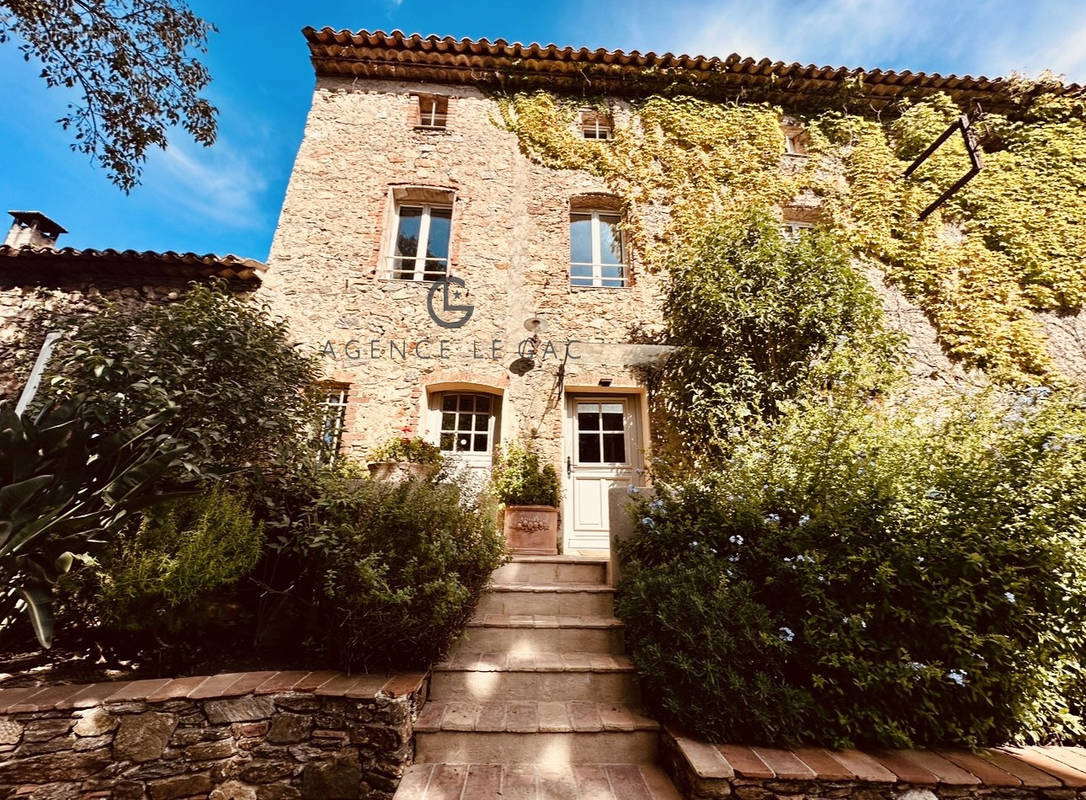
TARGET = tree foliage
(895,575)
(130,60)
(758,319)
(240,391)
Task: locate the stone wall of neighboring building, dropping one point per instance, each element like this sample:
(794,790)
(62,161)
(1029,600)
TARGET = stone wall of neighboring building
(28,312)
(239,736)
(509,243)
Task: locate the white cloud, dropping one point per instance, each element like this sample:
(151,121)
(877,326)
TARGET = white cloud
(215,184)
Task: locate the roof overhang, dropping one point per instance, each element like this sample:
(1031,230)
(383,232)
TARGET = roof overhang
(504,65)
(30,266)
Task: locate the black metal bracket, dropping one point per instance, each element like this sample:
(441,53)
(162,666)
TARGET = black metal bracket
(977,163)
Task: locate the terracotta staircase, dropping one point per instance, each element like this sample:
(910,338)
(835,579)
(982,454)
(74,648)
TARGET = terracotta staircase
(538,702)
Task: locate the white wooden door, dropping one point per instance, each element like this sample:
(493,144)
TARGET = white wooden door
(603,450)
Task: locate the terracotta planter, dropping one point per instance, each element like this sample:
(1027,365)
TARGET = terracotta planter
(531,530)
(399,471)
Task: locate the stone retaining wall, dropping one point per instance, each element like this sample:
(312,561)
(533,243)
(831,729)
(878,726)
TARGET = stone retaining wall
(237,736)
(706,772)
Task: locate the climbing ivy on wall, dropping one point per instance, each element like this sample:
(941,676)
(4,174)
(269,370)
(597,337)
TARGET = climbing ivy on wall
(1010,244)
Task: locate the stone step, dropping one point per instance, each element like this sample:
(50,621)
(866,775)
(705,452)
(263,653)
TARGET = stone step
(500,677)
(542,633)
(534,733)
(531,782)
(552,569)
(581,599)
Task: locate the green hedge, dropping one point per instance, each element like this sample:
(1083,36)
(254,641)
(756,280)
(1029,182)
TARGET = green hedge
(379,574)
(896,576)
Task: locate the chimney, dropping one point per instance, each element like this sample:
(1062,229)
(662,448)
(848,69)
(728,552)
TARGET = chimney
(33,229)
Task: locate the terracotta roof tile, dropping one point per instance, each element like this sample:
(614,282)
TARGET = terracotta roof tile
(32,264)
(443,59)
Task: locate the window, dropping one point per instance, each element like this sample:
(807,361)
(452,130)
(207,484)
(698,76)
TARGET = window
(333,416)
(420,251)
(601,433)
(467,423)
(795,141)
(596,249)
(433,111)
(595,125)
(791,229)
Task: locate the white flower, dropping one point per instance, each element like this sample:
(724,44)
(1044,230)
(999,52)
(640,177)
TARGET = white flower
(737,540)
(957,675)
(648,522)
(772,519)
(786,634)
(1010,597)
(804,520)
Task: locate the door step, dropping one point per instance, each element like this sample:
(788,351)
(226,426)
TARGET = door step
(552,569)
(500,677)
(577,599)
(534,733)
(530,782)
(520,635)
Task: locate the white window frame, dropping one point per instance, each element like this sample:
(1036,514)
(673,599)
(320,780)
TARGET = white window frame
(598,123)
(478,457)
(418,270)
(792,229)
(795,142)
(432,119)
(597,264)
(334,411)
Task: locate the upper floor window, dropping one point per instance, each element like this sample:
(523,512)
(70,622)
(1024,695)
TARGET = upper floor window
(795,139)
(333,416)
(433,111)
(420,250)
(596,249)
(596,125)
(791,229)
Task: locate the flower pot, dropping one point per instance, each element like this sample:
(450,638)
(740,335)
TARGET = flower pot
(531,530)
(399,471)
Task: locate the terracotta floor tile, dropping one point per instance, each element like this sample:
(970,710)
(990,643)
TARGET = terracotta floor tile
(988,772)
(823,764)
(554,716)
(522,717)
(592,783)
(627,782)
(784,763)
(744,761)
(447,782)
(484,782)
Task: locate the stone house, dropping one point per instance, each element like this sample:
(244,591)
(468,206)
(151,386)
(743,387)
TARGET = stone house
(461,291)
(42,285)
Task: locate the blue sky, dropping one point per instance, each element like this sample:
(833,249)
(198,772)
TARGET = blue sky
(226,198)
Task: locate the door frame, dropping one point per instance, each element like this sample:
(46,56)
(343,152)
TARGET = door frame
(636,437)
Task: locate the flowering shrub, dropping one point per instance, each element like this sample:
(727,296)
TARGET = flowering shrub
(405,448)
(893,576)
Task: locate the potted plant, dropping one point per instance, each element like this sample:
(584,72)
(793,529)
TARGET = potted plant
(405,458)
(528,490)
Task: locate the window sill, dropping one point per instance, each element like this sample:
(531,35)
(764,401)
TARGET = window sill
(426,129)
(599,288)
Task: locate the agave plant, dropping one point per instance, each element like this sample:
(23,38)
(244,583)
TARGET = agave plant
(64,484)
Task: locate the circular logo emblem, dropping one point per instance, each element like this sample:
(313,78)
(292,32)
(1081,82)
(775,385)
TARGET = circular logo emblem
(453,290)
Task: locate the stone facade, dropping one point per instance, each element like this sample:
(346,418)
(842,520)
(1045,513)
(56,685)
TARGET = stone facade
(28,311)
(242,736)
(509,243)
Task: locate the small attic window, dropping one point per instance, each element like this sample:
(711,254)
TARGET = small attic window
(596,125)
(795,141)
(433,111)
